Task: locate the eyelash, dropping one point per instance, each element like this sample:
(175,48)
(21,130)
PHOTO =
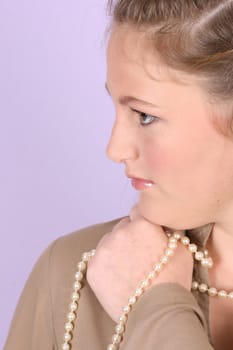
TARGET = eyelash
(141,115)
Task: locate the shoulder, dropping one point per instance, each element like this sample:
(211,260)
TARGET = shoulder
(58,262)
(64,253)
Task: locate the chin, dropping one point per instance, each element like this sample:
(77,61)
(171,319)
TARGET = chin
(171,218)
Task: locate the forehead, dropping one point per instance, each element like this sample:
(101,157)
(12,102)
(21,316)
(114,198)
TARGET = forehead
(134,69)
(130,49)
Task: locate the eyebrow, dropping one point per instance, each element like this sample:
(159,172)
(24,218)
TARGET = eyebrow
(125,100)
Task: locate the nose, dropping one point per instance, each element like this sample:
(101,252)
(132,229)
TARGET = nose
(122,144)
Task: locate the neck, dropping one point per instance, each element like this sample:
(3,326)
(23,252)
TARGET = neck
(220,246)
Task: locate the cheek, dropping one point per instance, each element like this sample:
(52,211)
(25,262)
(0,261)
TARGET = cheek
(159,158)
(168,160)
(157,161)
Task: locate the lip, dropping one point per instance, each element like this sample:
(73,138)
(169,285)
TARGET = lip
(140,184)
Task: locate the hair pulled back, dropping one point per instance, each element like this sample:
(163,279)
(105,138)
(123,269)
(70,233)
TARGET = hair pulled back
(193,36)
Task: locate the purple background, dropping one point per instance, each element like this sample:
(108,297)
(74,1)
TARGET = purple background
(55,121)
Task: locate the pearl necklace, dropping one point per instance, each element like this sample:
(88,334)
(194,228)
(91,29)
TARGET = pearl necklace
(117,337)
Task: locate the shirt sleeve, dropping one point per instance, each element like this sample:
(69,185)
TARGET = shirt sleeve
(166,317)
(32,324)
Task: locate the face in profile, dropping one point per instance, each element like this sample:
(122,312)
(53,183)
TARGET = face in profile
(163,132)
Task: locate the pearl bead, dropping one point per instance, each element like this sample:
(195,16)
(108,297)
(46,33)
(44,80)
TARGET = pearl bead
(86,257)
(123,319)
(222,294)
(177,236)
(79,276)
(77,286)
(206,252)
(93,251)
(172,245)
(203,288)
(66,346)
(145,284)
(164,260)
(111,347)
(67,337)
(192,248)
(169,252)
(152,275)
(75,296)
(212,292)
(185,240)
(172,240)
(132,300)
(158,267)
(69,327)
(116,339)
(73,306)
(71,316)
(139,292)
(195,285)
(122,324)
(199,256)
(82,266)
(119,329)
(207,262)
(126,309)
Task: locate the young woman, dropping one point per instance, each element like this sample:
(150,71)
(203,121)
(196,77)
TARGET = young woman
(162,276)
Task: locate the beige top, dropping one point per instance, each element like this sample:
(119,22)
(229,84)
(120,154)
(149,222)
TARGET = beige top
(166,317)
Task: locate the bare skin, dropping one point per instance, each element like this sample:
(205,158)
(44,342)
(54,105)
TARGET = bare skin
(125,256)
(164,133)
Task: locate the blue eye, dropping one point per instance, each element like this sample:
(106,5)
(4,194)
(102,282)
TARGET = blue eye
(145,119)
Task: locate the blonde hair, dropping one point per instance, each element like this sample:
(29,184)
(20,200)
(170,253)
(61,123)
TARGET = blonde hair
(193,36)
